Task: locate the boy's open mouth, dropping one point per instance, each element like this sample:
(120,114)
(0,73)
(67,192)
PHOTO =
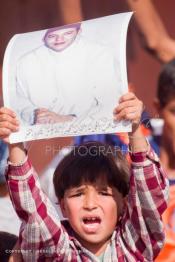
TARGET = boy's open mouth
(91,220)
(91,224)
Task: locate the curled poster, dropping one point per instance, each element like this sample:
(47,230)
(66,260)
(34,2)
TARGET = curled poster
(66,81)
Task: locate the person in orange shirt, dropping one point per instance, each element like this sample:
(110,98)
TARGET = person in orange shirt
(164,145)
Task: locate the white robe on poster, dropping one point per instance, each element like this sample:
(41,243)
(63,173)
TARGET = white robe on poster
(80,80)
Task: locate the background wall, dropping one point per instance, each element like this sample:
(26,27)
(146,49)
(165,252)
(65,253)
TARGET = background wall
(19,16)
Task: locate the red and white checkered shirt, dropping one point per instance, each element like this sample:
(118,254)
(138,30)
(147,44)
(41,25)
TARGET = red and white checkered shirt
(138,236)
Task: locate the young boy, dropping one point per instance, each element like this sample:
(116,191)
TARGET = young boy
(111,216)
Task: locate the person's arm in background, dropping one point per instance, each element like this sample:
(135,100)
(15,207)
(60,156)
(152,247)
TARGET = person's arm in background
(71,10)
(155,36)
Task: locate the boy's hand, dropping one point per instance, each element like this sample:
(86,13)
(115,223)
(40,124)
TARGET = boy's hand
(129,108)
(8,123)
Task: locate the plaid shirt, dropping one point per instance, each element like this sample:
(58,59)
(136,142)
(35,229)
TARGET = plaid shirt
(138,236)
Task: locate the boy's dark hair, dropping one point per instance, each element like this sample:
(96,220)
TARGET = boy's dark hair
(166,83)
(89,162)
(7,242)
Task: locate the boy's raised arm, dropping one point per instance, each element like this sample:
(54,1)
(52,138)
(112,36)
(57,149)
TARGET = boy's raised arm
(41,223)
(142,225)
(17,153)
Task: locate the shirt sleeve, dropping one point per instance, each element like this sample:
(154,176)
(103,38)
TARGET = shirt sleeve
(25,108)
(142,227)
(41,230)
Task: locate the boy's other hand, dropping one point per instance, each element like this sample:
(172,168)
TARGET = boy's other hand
(129,108)
(8,123)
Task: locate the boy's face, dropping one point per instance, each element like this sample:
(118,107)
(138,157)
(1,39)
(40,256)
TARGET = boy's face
(92,211)
(60,39)
(168,115)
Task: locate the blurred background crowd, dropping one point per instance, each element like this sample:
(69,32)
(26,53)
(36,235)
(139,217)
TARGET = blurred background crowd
(151,46)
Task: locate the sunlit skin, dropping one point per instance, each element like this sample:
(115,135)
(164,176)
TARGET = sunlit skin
(60,39)
(97,202)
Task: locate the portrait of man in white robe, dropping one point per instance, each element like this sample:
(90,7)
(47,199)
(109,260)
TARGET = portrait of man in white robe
(66,78)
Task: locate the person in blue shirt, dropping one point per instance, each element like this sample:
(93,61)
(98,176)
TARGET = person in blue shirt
(3,160)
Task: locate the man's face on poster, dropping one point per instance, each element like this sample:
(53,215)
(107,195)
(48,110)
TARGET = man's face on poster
(60,39)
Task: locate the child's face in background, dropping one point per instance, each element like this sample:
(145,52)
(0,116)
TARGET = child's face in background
(60,39)
(92,210)
(168,115)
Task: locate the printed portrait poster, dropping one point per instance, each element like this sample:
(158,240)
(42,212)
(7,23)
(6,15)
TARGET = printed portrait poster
(66,81)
